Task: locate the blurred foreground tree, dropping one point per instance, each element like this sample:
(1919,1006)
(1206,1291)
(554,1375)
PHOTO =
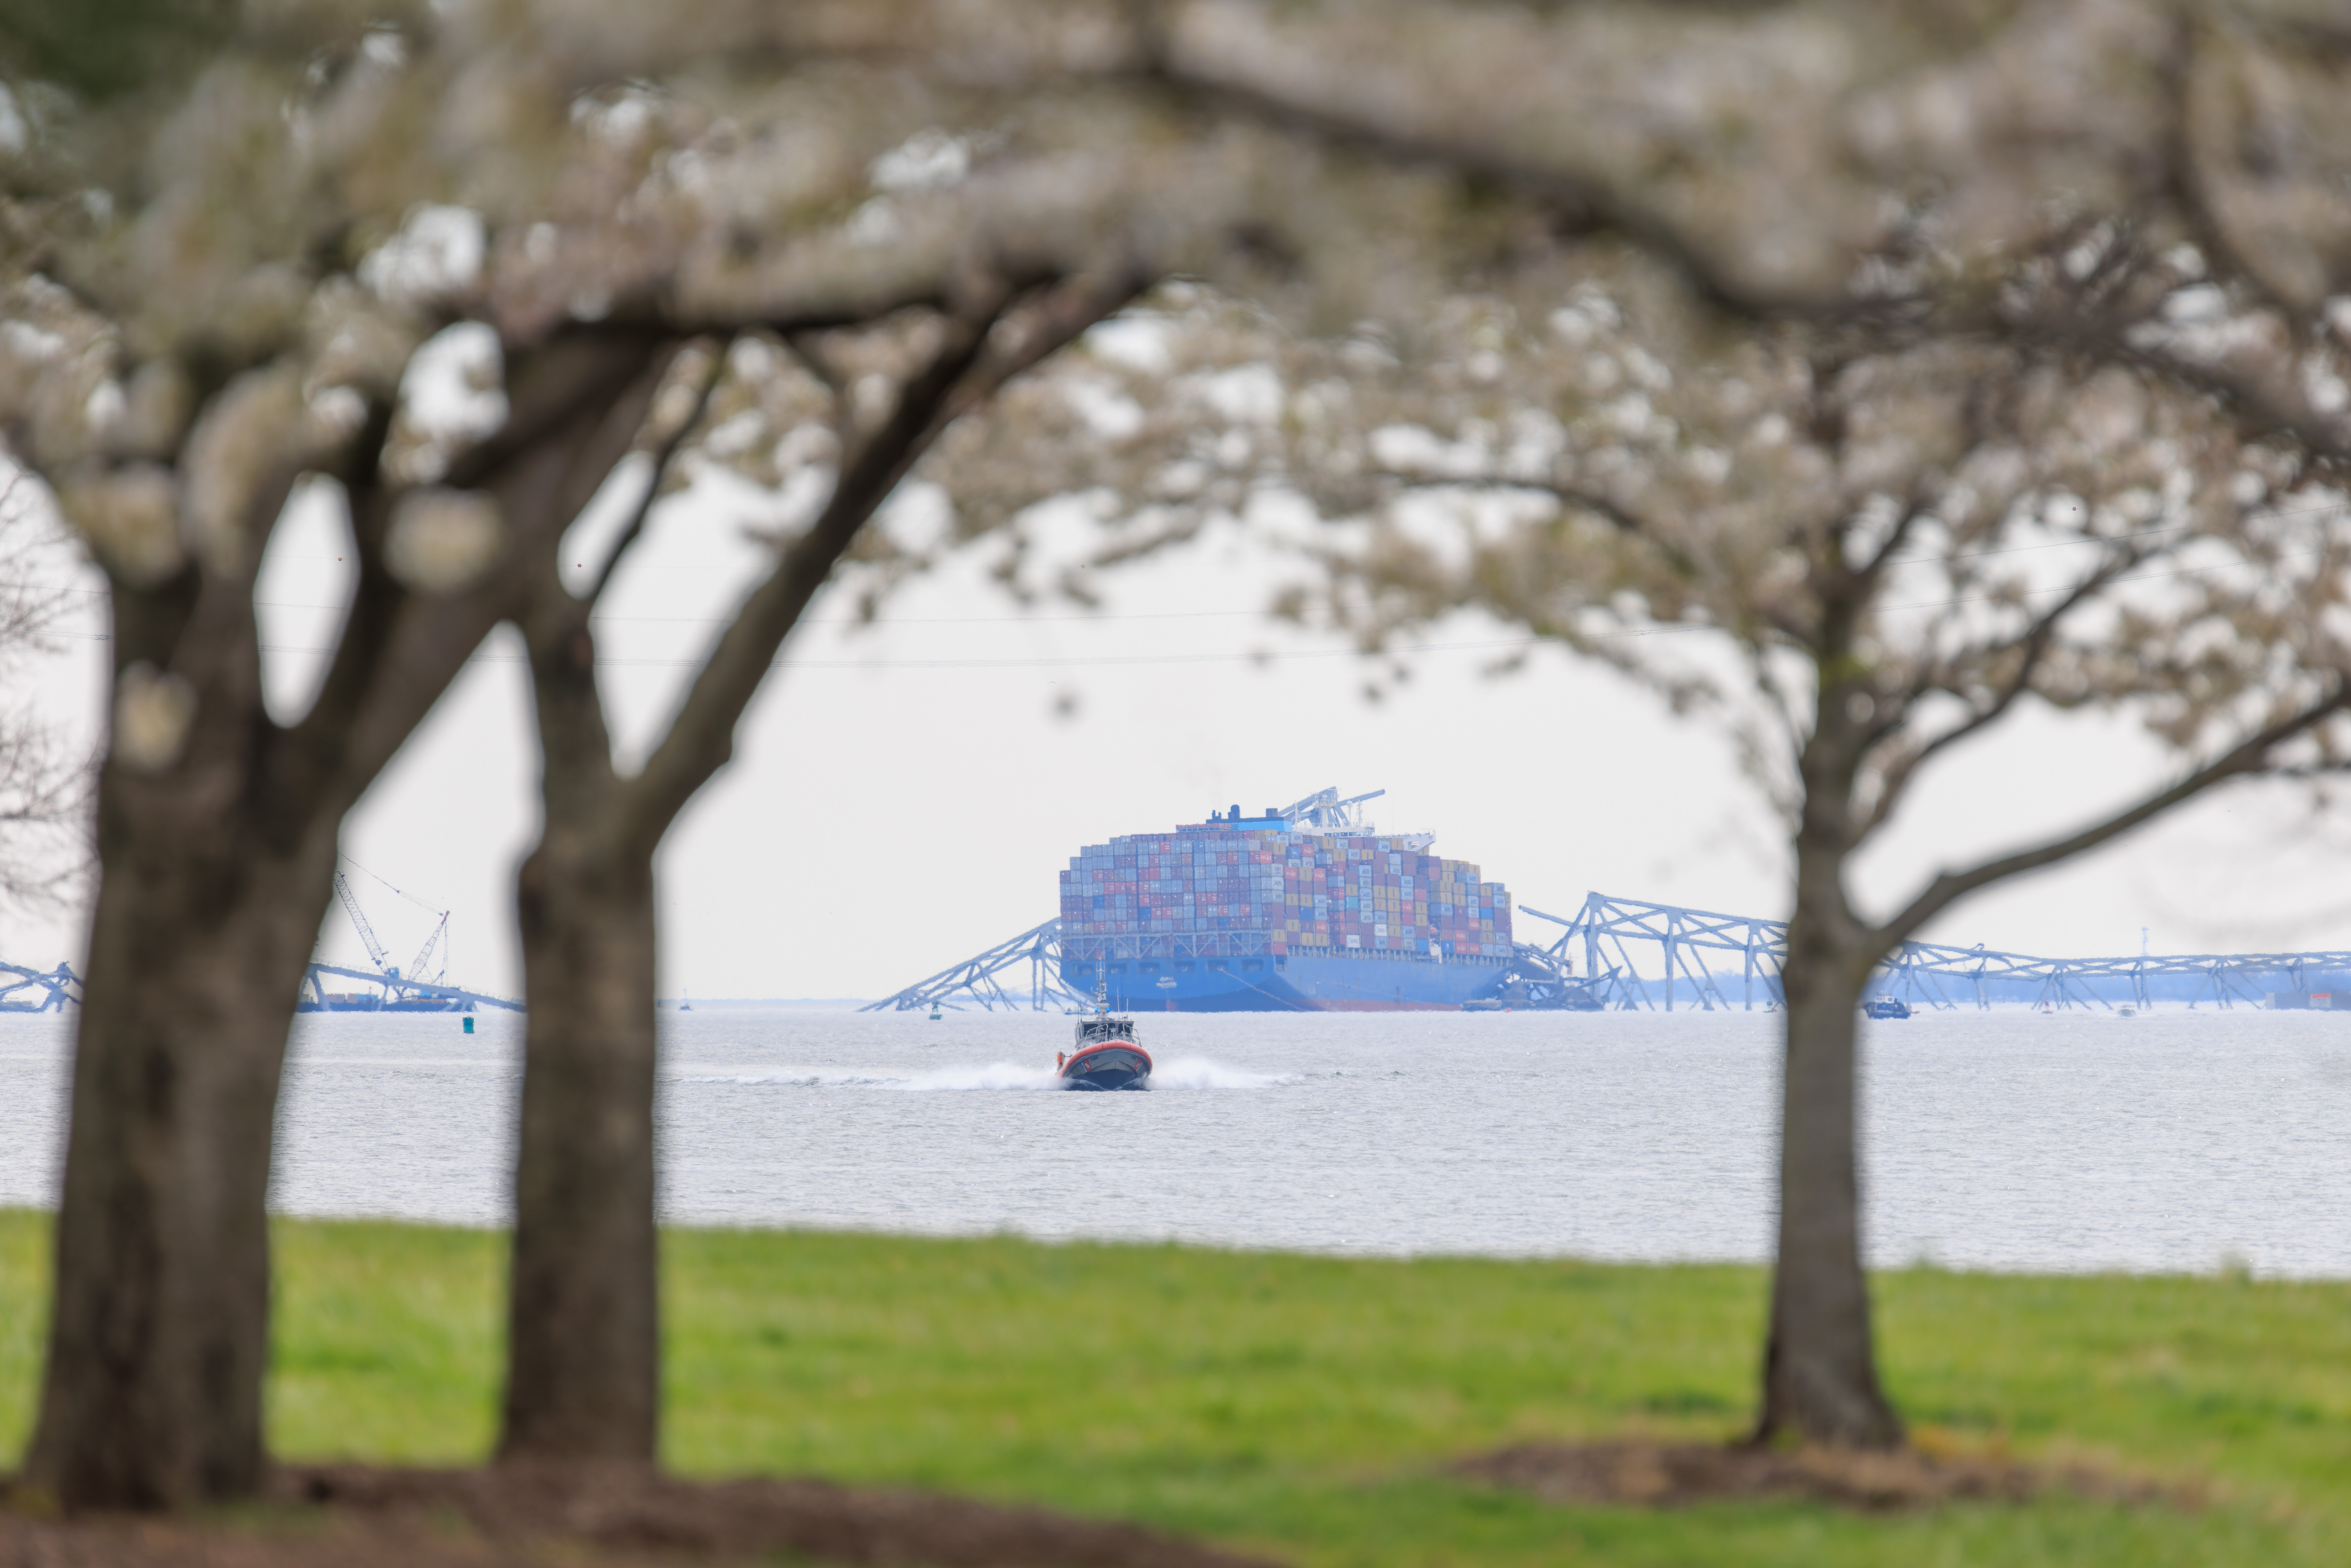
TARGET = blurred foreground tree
(268,264)
(222,282)
(223,287)
(1956,214)
(1860,547)
(2030,385)
(584,1363)
(1861,559)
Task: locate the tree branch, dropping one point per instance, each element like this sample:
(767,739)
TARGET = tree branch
(1622,519)
(1784,713)
(1587,202)
(579,403)
(1617,516)
(964,372)
(563,374)
(2275,407)
(663,458)
(1896,538)
(376,598)
(1063,315)
(2248,757)
(2188,188)
(2033,646)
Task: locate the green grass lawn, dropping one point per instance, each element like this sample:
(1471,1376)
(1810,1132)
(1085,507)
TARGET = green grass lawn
(1306,1405)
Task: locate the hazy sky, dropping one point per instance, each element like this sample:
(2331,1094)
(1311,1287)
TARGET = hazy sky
(903,797)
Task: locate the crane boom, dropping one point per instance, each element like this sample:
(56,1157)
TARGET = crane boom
(417,968)
(367,933)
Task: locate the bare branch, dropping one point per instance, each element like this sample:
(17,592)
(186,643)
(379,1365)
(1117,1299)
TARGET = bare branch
(963,372)
(1617,516)
(805,348)
(701,738)
(2030,648)
(662,457)
(1571,498)
(581,402)
(2250,756)
(1896,538)
(564,374)
(1062,316)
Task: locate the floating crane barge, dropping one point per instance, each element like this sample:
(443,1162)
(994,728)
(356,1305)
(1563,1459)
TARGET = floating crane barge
(394,991)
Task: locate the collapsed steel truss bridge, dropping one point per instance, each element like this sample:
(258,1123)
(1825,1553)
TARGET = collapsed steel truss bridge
(975,983)
(24,990)
(1930,974)
(397,993)
(1591,965)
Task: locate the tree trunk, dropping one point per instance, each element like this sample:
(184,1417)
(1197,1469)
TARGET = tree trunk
(584,1344)
(1820,1366)
(583,1378)
(159,1326)
(216,865)
(583,1321)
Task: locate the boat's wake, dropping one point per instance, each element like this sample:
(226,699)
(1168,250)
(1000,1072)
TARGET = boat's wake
(995,1075)
(785,1078)
(1199,1072)
(1179,1073)
(1176,1073)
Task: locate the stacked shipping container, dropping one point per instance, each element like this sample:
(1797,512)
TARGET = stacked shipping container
(1269,890)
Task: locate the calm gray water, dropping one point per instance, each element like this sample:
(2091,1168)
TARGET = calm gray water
(2008,1140)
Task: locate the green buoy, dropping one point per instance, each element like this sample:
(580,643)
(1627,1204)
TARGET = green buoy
(469,1023)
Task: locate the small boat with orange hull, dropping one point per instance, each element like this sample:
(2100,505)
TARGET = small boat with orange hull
(1106,1056)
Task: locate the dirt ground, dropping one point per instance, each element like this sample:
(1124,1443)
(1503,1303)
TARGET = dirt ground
(1657,1474)
(352,1516)
(363,1517)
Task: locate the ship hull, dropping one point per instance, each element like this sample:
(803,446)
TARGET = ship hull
(1298,983)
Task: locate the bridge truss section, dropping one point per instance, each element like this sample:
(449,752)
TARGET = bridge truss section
(24,990)
(1538,978)
(1606,924)
(1930,974)
(978,980)
(397,993)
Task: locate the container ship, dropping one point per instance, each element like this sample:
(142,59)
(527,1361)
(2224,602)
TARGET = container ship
(1302,908)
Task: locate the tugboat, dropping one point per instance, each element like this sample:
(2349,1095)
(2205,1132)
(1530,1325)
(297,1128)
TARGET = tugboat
(1106,1057)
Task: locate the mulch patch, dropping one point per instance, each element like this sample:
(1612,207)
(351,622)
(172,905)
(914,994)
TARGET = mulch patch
(353,1516)
(1673,1475)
